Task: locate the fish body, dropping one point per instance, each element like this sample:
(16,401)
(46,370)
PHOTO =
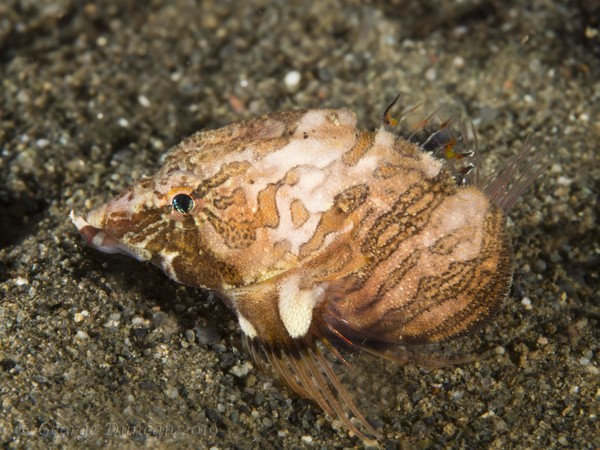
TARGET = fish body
(311,228)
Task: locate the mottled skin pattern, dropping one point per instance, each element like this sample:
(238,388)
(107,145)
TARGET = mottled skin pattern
(308,226)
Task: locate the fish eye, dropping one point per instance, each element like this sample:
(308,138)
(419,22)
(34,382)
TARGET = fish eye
(183,203)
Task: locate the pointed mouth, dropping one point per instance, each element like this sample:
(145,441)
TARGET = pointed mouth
(101,240)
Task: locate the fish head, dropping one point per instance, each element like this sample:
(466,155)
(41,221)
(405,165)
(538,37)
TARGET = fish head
(158,219)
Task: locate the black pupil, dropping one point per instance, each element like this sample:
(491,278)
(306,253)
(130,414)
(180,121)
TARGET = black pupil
(183,203)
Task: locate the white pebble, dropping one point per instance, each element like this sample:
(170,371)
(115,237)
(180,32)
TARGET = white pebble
(458,62)
(138,321)
(292,80)
(144,101)
(241,370)
(307,439)
(526,302)
(41,143)
(81,335)
(23,97)
(564,181)
(430,74)
(21,281)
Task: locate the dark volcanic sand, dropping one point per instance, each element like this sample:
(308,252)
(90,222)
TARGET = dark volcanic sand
(102,351)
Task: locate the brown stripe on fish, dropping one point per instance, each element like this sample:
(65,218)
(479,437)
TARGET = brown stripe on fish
(350,199)
(299,213)
(455,310)
(408,216)
(364,142)
(268,214)
(121,224)
(268,132)
(328,223)
(408,150)
(237,233)
(341,259)
(412,165)
(392,280)
(396,225)
(446,244)
(434,290)
(331,220)
(215,272)
(484,301)
(237,197)
(452,301)
(388,170)
(225,173)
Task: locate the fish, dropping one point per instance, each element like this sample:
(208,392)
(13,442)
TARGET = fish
(318,234)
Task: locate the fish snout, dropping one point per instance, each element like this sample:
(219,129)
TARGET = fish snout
(99,238)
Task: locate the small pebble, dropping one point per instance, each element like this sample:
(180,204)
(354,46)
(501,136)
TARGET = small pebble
(241,370)
(292,80)
(430,74)
(42,143)
(21,281)
(307,439)
(190,336)
(143,100)
(81,335)
(220,348)
(458,62)
(138,321)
